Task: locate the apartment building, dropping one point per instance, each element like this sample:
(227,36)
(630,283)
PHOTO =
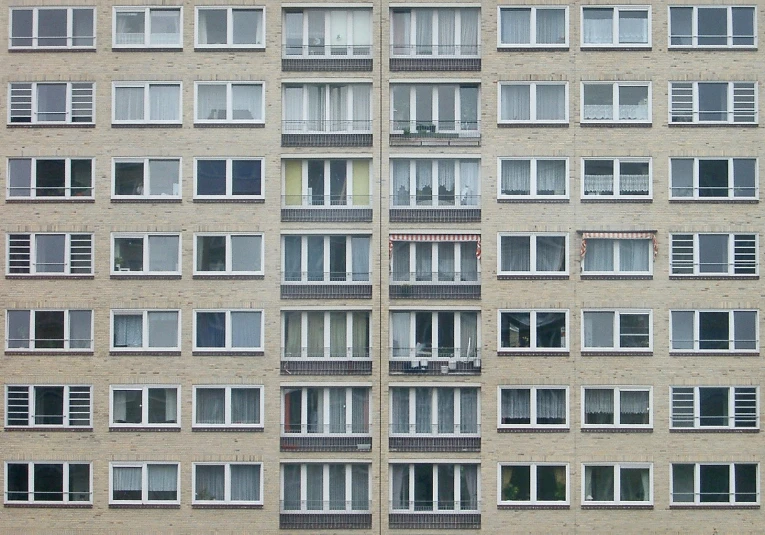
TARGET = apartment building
(380,267)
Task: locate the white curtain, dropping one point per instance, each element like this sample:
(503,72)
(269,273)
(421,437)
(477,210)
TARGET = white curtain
(423,261)
(469,179)
(551,404)
(337,421)
(633,103)
(163,102)
(551,102)
(634,255)
(359,410)
(468,410)
(400,483)
(423,31)
(633,27)
(211,102)
(551,27)
(360,334)
(362,32)
(292,334)
(314,487)
(469,487)
(599,406)
(445,415)
(516,177)
(210,482)
(245,329)
(516,26)
(126,478)
(128,331)
(338,32)
(338,336)
(128,104)
(293,33)
(315,410)
(315,334)
(360,258)
(338,108)
(210,406)
(424,180)
(516,103)
(400,336)
(163,253)
(163,177)
(402,41)
(516,405)
(423,410)
(165,27)
(446,170)
(163,478)
(163,329)
(337,496)
(446,31)
(633,402)
(598,101)
(468,261)
(446,261)
(245,406)
(515,253)
(245,482)
(401,186)
(362,107)
(600,255)
(469,24)
(245,253)
(551,177)
(246,102)
(597,26)
(468,334)
(211,26)
(49,251)
(293,109)
(359,487)
(598,329)
(682,329)
(80,336)
(291,482)
(551,253)
(399,418)
(400,261)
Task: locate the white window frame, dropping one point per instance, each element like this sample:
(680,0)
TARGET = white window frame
(325,487)
(229,102)
(15,112)
(327,354)
(144,348)
(65,498)
(72,255)
(684,112)
(533,498)
(617,9)
(616,248)
(325,389)
(532,27)
(679,401)
(146,87)
(533,342)
(144,389)
(534,179)
(617,390)
(67,187)
(178,188)
(32,340)
(306,47)
(147,26)
(70,37)
(731,332)
(461,200)
(228,270)
(227,388)
(144,237)
(617,314)
(615,87)
(676,266)
(228,348)
(695,22)
(230,27)
(230,178)
(456,465)
(327,275)
(731,188)
(435,397)
(532,103)
(616,185)
(433,353)
(436,278)
(533,419)
(696,502)
(227,500)
(348,201)
(144,482)
(617,467)
(69,399)
(533,271)
(434,44)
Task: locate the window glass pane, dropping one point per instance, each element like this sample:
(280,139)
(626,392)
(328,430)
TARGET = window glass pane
(551,406)
(19,177)
(128,178)
(634,330)
(551,329)
(49,482)
(245,178)
(246,102)
(516,26)
(743,26)
(79,482)
(516,483)
(82,27)
(744,177)
(209,482)
(49,329)
(211,177)
(598,406)
(599,483)
(515,329)
(50,178)
(682,483)
(245,329)
(516,406)
(713,101)
(598,102)
(551,177)
(551,253)
(634,407)
(129,104)
(211,329)
(212,27)
(681,23)
(713,178)
(164,177)
(713,26)
(635,484)
(633,103)
(50,253)
(211,102)
(551,102)
(713,406)
(516,253)
(163,253)
(245,482)
(713,253)
(598,329)
(551,483)
(682,177)
(130,28)
(245,253)
(713,330)
(211,253)
(714,483)
(551,26)
(126,483)
(745,329)
(516,103)
(163,405)
(597,26)
(245,406)
(210,406)
(163,329)
(127,407)
(633,27)
(49,405)
(21,27)
(80,335)
(291,483)
(162,482)
(248,26)
(81,177)
(165,27)
(51,27)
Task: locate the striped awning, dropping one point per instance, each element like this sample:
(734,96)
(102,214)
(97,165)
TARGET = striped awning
(619,236)
(435,238)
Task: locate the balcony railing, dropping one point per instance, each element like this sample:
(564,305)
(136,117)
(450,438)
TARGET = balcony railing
(435,361)
(430,51)
(326,201)
(326,361)
(319,51)
(325,284)
(435,285)
(342,277)
(442,132)
(441,514)
(327,208)
(327,126)
(49,192)
(325,514)
(333,353)
(326,437)
(434,430)
(418,58)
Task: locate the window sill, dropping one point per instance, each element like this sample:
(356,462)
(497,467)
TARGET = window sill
(534,125)
(530,199)
(584,276)
(51,125)
(713,507)
(227,429)
(511,353)
(533,48)
(230,125)
(615,124)
(226,506)
(48,352)
(746,431)
(147,125)
(232,48)
(150,49)
(47,200)
(615,199)
(48,505)
(713,125)
(708,354)
(228,353)
(229,200)
(229,277)
(48,276)
(49,49)
(169,199)
(616,48)
(532,430)
(531,276)
(144,506)
(713,48)
(139,429)
(715,200)
(713,277)
(144,353)
(48,429)
(617,353)
(116,276)
(617,430)
(615,506)
(522,507)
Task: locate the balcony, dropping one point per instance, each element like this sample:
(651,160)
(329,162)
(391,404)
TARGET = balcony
(434,361)
(327,208)
(449,515)
(452,133)
(326,361)
(328,58)
(324,437)
(326,285)
(327,133)
(425,207)
(313,515)
(410,437)
(437,285)
(417,58)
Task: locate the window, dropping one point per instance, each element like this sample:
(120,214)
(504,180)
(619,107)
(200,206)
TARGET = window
(535,254)
(48,482)
(146,178)
(323,488)
(228,254)
(443,410)
(715,483)
(228,330)
(327,32)
(49,330)
(713,407)
(439,335)
(228,483)
(533,27)
(528,178)
(622,26)
(49,178)
(236,178)
(327,108)
(439,183)
(627,255)
(326,334)
(533,330)
(144,483)
(697,178)
(147,27)
(435,261)
(67,406)
(435,32)
(535,102)
(712,26)
(622,484)
(545,407)
(146,254)
(52,28)
(424,487)
(533,484)
(612,407)
(146,102)
(714,330)
(614,178)
(51,103)
(714,254)
(325,410)
(622,102)
(326,183)
(316,258)
(230,27)
(428,109)
(146,330)
(237,406)
(712,102)
(50,254)
(145,406)
(617,330)
(229,102)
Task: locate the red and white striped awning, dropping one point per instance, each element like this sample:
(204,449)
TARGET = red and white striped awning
(619,236)
(436,238)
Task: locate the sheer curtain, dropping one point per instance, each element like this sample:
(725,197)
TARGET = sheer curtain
(362,32)
(316,107)
(468,410)
(315,410)
(468,261)
(315,267)
(245,482)
(126,478)
(446,31)
(516,103)
(314,487)
(551,406)
(634,255)
(400,482)
(292,330)
(163,329)
(402,29)
(210,405)
(424,182)
(633,27)
(246,102)
(633,406)
(446,170)
(293,109)
(360,258)
(598,329)
(551,102)
(516,406)
(128,104)
(360,335)
(600,255)
(337,487)
(401,186)
(360,487)
(245,406)
(469,24)
(211,102)
(359,410)
(315,334)
(469,179)
(468,334)
(210,482)
(423,31)
(337,423)
(469,487)
(599,406)
(423,410)
(446,261)
(423,261)
(164,177)
(445,416)
(516,177)
(516,26)
(362,107)
(400,335)
(165,27)
(338,338)
(599,483)
(291,481)
(399,418)
(128,331)
(400,261)
(163,102)
(245,329)
(551,253)
(163,253)
(293,33)
(597,26)
(515,253)
(551,177)
(598,101)
(162,481)
(551,26)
